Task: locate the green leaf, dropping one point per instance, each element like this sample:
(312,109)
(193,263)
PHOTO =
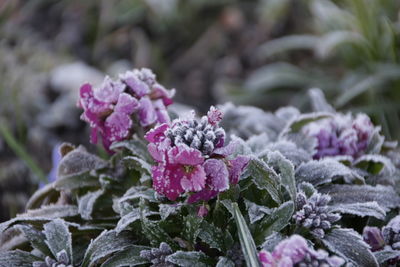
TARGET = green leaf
(168,209)
(136,146)
(278,219)
(137,163)
(256,212)
(106,244)
(35,237)
(213,236)
(127,257)
(192,258)
(225,262)
(264,177)
(192,228)
(286,44)
(360,209)
(350,245)
(296,124)
(375,164)
(36,199)
(127,220)
(386,254)
(87,202)
(58,237)
(17,258)
(246,240)
(154,233)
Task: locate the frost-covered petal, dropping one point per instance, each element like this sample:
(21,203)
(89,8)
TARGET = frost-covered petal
(227,150)
(214,115)
(157,134)
(193,177)
(205,195)
(137,86)
(161,111)
(117,126)
(167,180)
(165,95)
(295,248)
(217,174)
(236,167)
(147,112)
(109,90)
(126,104)
(373,237)
(91,105)
(185,155)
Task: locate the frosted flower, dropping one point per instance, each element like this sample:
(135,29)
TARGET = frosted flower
(391,233)
(373,237)
(294,251)
(191,158)
(157,256)
(112,108)
(341,135)
(62,261)
(313,213)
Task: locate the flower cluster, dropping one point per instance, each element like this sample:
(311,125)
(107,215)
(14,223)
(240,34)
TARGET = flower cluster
(341,135)
(294,251)
(62,261)
(389,236)
(313,213)
(109,108)
(157,256)
(191,157)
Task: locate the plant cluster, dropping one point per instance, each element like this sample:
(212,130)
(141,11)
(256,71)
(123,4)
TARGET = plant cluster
(236,187)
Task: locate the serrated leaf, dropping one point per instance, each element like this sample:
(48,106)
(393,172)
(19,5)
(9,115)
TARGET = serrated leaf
(375,164)
(385,196)
(17,258)
(225,262)
(307,188)
(168,209)
(360,209)
(107,243)
(128,257)
(35,237)
(58,237)
(325,171)
(264,177)
(246,240)
(192,227)
(348,244)
(256,212)
(87,202)
(286,172)
(386,254)
(212,235)
(277,220)
(192,258)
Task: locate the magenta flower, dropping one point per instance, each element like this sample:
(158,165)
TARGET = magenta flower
(341,135)
(112,108)
(294,251)
(191,158)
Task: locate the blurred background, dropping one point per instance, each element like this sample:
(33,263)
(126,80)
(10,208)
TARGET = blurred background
(265,53)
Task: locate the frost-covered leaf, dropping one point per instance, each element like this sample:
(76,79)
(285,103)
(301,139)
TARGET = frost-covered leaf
(376,142)
(375,164)
(87,202)
(348,244)
(318,101)
(264,177)
(307,188)
(35,237)
(258,142)
(36,199)
(272,241)
(137,163)
(212,235)
(127,220)
(385,196)
(192,227)
(225,262)
(289,149)
(256,212)
(154,233)
(360,209)
(386,254)
(52,211)
(136,146)
(246,240)
(17,258)
(286,172)
(191,258)
(325,171)
(296,124)
(275,222)
(168,209)
(107,243)
(128,257)
(58,237)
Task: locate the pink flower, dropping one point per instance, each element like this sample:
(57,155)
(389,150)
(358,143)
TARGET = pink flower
(112,108)
(191,158)
(294,251)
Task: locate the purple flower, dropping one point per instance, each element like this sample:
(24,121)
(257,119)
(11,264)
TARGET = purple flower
(294,251)
(341,135)
(373,237)
(191,158)
(112,108)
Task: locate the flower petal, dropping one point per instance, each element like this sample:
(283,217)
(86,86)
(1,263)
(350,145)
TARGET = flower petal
(138,87)
(236,167)
(147,112)
(205,195)
(185,155)
(117,126)
(109,90)
(166,181)
(217,174)
(157,134)
(126,104)
(193,178)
